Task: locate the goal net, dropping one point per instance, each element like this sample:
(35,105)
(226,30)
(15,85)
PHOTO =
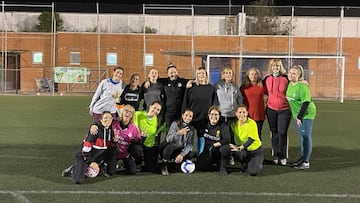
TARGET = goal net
(325,74)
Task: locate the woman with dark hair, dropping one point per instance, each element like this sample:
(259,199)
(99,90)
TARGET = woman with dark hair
(132,93)
(246,145)
(150,126)
(216,143)
(107,94)
(179,141)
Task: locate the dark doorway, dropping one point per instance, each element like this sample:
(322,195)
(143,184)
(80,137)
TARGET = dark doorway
(10,75)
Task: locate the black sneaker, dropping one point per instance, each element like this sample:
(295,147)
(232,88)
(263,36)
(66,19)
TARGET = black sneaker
(67,172)
(303,165)
(164,171)
(298,162)
(223,172)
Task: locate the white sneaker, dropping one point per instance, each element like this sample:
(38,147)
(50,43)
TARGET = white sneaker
(283,162)
(232,161)
(276,161)
(303,165)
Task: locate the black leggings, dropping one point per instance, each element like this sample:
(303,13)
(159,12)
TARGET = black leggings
(279,124)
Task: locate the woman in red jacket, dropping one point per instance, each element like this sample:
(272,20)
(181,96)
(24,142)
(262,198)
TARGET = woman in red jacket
(253,91)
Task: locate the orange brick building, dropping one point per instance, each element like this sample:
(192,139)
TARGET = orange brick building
(323,80)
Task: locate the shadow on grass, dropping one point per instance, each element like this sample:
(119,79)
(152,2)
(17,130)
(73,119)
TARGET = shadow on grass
(47,161)
(323,159)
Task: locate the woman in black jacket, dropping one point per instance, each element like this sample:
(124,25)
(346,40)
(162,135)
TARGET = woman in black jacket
(216,149)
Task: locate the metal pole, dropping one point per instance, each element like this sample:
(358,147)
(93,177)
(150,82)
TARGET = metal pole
(290,45)
(2,44)
(192,42)
(144,39)
(5,55)
(340,47)
(98,39)
(53,51)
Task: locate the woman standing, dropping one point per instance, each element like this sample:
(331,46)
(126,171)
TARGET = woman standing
(199,98)
(228,96)
(277,110)
(152,88)
(132,93)
(107,95)
(253,91)
(303,111)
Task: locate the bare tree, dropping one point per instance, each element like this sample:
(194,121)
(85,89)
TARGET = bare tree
(263,19)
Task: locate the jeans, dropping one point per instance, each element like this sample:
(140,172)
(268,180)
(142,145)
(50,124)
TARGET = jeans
(305,131)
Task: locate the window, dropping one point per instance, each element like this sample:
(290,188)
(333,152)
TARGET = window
(37,57)
(149,59)
(75,58)
(111,59)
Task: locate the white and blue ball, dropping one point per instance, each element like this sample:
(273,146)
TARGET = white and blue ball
(187,166)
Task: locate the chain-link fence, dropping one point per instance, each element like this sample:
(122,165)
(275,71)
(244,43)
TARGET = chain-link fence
(37,38)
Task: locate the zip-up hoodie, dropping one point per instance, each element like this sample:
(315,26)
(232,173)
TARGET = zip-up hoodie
(228,98)
(106,95)
(94,146)
(186,141)
(275,88)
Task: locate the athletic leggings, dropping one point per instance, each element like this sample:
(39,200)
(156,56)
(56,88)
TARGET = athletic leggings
(279,124)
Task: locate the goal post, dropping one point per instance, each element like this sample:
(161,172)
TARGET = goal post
(325,74)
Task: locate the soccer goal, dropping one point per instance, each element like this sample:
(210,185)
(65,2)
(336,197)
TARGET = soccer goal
(325,74)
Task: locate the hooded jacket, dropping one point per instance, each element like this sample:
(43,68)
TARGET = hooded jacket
(228,98)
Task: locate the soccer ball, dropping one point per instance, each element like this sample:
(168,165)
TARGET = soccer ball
(92,170)
(187,166)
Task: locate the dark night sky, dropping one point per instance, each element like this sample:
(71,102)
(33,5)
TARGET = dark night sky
(135,6)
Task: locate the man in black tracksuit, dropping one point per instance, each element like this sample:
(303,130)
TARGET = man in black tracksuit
(174,90)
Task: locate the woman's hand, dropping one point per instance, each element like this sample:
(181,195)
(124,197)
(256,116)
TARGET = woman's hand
(217,144)
(94,129)
(299,122)
(183,131)
(179,158)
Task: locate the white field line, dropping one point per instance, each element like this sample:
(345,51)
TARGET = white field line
(19,196)
(279,194)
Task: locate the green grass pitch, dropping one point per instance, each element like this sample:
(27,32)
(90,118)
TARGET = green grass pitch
(39,136)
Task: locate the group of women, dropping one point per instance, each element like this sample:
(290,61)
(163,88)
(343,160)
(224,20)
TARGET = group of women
(226,120)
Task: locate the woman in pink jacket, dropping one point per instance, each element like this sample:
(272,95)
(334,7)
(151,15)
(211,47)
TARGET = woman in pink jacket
(277,109)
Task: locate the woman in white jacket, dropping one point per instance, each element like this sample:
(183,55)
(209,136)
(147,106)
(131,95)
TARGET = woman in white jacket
(107,95)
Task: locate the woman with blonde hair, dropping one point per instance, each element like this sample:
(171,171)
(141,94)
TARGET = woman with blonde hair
(303,111)
(228,96)
(199,98)
(252,90)
(277,109)
(128,134)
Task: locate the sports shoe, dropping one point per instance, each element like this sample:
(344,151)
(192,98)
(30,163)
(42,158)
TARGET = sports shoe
(303,165)
(298,162)
(67,172)
(283,162)
(164,171)
(232,161)
(223,172)
(276,161)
